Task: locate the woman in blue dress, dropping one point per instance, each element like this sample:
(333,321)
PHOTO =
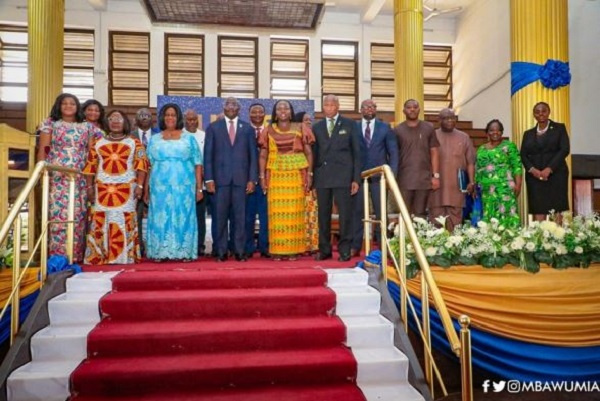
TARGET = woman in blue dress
(175,186)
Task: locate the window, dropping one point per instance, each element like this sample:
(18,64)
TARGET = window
(78,76)
(339,72)
(289,68)
(129,68)
(184,65)
(437,74)
(238,67)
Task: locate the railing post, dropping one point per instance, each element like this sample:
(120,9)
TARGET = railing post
(367,223)
(402,263)
(465,359)
(71,218)
(44,227)
(15,302)
(426,333)
(383,226)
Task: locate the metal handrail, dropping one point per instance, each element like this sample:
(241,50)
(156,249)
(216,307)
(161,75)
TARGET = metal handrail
(462,347)
(42,169)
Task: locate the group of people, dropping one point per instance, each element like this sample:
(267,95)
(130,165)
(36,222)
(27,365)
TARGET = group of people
(286,174)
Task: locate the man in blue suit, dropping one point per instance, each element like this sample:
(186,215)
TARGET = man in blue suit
(230,172)
(378,146)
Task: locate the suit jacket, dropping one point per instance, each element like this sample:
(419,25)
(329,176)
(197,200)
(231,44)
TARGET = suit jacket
(551,152)
(336,159)
(228,164)
(383,149)
(153,131)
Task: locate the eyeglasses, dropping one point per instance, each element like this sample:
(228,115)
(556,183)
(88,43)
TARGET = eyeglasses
(115,119)
(142,115)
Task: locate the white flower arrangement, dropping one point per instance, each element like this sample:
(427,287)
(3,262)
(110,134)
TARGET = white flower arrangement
(574,243)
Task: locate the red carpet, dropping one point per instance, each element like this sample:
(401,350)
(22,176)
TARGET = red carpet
(218,333)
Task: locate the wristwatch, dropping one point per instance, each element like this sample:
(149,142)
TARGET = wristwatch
(436,175)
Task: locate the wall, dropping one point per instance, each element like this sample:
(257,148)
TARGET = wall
(482,62)
(129,15)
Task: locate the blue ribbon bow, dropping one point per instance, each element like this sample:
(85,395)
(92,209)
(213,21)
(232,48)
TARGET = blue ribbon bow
(554,74)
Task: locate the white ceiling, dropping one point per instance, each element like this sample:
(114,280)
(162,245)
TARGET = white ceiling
(387,6)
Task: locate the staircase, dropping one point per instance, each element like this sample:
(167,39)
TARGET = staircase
(219,334)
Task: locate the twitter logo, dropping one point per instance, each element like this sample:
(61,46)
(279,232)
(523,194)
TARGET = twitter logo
(498,387)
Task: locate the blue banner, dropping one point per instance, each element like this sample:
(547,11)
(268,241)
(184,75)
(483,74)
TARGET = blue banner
(209,108)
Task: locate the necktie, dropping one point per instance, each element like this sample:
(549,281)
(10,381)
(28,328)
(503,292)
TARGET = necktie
(368,134)
(258,130)
(144,139)
(330,126)
(231,132)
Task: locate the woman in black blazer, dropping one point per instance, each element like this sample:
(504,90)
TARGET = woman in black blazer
(543,151)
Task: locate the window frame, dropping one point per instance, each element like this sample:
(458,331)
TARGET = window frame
(291,75)
(168,35)
(355,61)
(220,39)
(111,69)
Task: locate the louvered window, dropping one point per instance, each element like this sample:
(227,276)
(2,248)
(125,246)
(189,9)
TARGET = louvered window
(238,67)
(437,74)
(78,76)
(339,72)
(184,65)
(129,68)
(289,68)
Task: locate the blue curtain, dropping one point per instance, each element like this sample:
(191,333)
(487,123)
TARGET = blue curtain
(24,308)
(512,359)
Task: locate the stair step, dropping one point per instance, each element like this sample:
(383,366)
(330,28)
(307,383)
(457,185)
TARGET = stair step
(91,282)
(364,331)
(151,374)
(387,392)
(381,365)
(73,308)
(193,304)
(357,301)
(115,338)
(41,381)
(218,279)
(55,343)
(355,277)
(346,392)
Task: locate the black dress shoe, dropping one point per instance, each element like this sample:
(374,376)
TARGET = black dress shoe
(240,257)
(322,256)
(344,257)
(265,255)
(249,255)
(221,258)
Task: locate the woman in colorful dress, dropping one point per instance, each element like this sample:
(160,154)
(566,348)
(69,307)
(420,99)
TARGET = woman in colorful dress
(499,172)
(116,169)
(65,140)
(285,166)
(311,208)
(93,113)
(175,186)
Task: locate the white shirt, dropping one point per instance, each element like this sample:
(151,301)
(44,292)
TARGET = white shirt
(146,134)
(227,123)
(200,136)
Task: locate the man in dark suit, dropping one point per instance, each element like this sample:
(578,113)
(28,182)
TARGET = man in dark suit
(231,171)
(143,131)
(378,146)
(336,153)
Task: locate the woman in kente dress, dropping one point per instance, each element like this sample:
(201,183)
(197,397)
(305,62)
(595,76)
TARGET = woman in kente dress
(175,186)
(65,140)
(116,170)
(285,166)
(499,172)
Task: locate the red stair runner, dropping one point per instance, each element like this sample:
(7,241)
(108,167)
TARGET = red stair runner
(220,334)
